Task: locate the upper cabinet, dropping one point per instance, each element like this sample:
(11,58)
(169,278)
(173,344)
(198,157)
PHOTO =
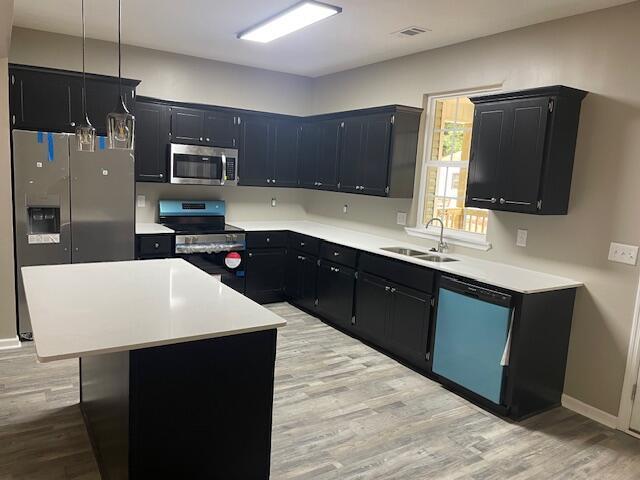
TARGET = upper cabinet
(269,151)
(152,141)
(204,127)
(51,100)
(522,150)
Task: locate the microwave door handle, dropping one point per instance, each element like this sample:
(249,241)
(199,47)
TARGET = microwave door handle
(223,177)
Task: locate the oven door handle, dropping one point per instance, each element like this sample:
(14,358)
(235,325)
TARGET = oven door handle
(223,176)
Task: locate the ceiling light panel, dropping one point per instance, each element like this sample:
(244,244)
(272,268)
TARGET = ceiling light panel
(294,18)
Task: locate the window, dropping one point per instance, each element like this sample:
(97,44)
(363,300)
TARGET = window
(445,172)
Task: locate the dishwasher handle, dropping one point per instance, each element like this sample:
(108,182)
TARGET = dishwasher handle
(471,290)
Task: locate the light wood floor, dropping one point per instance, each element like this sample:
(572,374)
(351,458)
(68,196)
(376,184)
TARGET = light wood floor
(342,411)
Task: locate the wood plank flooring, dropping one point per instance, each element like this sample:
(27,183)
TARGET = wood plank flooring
(342,411)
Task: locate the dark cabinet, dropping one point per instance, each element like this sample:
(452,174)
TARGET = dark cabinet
(268,153)
(408,324)
(154,246)
(265,274)
(187,125)
(372,308)
(254,151)
(51,100)
(522,150)
(365,154)
(336,286)
(221,129)
(309,155)
(319,154)
(301,279)
(152,141)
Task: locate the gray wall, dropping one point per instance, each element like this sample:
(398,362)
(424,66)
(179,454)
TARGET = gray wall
(596,52)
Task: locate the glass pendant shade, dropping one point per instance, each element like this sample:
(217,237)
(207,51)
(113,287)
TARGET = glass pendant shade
(86,136)
(121,127)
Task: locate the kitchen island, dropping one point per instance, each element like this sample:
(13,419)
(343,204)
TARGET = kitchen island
(176,368)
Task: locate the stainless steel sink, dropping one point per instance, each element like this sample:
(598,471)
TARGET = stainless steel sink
(404,251)
(435,258)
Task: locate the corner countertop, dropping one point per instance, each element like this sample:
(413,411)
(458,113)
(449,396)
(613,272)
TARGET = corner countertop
(498,274)
(151,229)
(92,308)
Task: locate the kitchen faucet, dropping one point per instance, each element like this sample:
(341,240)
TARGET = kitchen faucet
(442,246)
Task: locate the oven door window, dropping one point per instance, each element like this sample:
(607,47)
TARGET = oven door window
(197,166)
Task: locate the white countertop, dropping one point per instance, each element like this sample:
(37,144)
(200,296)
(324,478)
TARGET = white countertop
(92,308)
(151,229)
(493,273)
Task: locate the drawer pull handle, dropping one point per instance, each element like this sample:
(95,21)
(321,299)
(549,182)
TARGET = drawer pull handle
(336,254)
(302,244)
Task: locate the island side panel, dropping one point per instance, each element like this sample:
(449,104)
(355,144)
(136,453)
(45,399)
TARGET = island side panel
(104,401)
(203,410)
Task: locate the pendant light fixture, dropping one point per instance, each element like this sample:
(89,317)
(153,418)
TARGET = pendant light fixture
(85,133)
(120,123)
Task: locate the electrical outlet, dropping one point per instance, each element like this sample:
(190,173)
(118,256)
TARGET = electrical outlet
(521,238)
(345,208)
(273,202)
(621,253)
(401,218)
(141,201)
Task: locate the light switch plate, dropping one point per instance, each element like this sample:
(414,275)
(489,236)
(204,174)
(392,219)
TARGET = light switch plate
(141,201)
(521,238)
(401,218)
(621,253)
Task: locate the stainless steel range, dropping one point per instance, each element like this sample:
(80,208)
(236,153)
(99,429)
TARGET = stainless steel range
(205,240)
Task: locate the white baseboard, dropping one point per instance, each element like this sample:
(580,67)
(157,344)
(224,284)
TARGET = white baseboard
(588,411)
(8,343)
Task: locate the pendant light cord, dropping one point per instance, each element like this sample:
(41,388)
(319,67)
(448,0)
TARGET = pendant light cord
(120,49)
(84,76)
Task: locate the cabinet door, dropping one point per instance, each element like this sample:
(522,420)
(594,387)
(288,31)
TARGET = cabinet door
(351,154)
(265,274)
(308,155)
(373,296)
(335,293)
(103,96)
(300,279)
(152,140)
(489,126)
(41,101)
(374,167)
(187,125)
(329,156)
(254,151)
(292,287)
(408,324)
(221,129)
(521,160)
(283,154)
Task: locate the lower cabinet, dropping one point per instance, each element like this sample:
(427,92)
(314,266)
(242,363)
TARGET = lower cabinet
(393,317)
(336,287)
(154,246)
(265,274)
(301,279)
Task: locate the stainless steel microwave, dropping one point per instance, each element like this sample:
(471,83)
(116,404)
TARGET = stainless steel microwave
(200,165)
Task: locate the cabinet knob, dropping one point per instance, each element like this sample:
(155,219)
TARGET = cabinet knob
(273,180)
(336,254)
(393,290)
(268,180)
(494,200)
(268,239)
(200,138)
(208,139)
(387,288)
(73,124)
(302,244)
(251,254)
(502,201)
(156,245)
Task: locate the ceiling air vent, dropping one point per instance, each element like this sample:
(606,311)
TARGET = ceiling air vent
(409,32)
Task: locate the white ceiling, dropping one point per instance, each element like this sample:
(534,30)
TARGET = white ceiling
(360,35)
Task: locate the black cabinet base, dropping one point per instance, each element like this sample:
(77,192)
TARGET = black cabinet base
(197,410)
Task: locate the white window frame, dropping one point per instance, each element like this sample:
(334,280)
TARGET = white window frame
(453,236)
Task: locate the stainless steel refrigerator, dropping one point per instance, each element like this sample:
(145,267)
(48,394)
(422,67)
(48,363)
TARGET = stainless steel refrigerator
(69,206)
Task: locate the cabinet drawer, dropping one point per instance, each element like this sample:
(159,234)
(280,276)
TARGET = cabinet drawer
(304,243)
(339,254)
(153,246)
(402,273)
(267,240)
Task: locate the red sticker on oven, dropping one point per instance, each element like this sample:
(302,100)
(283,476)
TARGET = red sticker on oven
(232,260)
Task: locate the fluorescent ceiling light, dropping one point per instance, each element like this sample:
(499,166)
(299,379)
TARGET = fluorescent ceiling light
(294,18)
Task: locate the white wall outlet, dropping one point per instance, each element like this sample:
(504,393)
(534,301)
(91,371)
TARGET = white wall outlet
(274,202)
(401,218)
(521,237)
(141,201)
(345,208)
(621,253)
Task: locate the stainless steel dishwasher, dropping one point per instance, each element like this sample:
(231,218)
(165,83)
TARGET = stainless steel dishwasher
(472,337)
